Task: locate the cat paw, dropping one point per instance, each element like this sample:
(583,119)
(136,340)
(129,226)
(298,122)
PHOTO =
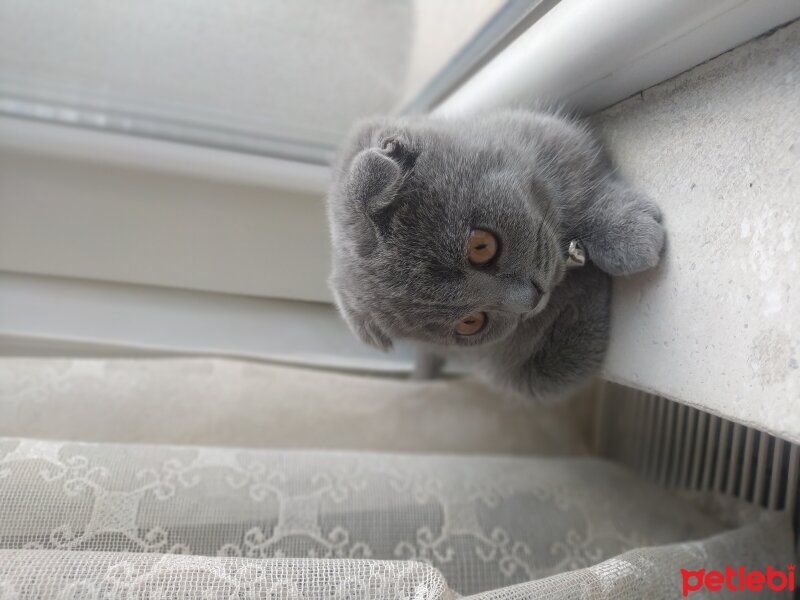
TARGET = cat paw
(633,239)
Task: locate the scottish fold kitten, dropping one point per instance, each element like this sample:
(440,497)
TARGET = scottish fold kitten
(453,234)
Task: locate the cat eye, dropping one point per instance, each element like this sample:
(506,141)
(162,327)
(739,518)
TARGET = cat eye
(481,247)
(471,324)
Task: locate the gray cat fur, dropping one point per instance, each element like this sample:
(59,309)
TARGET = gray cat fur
(407,192)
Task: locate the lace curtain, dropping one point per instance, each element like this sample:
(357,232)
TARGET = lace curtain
(82,520)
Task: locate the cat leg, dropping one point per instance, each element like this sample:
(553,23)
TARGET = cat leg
(560,349)
(622,230)
(571,355)
(427,365)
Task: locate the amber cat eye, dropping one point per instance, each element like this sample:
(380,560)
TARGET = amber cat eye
(481,247)
(471,324)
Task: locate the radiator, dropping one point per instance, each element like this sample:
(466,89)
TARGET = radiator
(681,447)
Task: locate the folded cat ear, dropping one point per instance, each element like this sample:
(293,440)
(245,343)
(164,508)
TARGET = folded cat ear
(372,183)
(362,324)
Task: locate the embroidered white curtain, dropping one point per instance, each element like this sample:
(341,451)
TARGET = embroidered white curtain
(82,520)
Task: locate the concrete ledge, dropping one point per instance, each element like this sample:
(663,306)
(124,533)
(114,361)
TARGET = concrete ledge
(717,326)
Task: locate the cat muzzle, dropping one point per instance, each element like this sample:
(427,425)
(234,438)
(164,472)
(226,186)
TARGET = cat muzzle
(520,297)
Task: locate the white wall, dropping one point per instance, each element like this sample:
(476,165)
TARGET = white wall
(95,221)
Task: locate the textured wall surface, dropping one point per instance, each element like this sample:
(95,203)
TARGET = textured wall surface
(717,325)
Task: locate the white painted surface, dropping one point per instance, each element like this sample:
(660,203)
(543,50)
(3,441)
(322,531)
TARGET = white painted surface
(592,54)
(106,148)
(718,324)
(95,221)
(42,311)
(441,29)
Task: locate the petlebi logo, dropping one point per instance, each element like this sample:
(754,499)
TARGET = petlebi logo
(739,579)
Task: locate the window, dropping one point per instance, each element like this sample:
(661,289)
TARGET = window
(277,78)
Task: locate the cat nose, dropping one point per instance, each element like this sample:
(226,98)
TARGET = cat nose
(521,298)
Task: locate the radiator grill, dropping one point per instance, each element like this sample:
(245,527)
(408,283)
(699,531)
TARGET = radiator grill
(682,447)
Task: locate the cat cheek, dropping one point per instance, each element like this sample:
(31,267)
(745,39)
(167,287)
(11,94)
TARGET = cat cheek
(373,336)
(361,323)
(368,331)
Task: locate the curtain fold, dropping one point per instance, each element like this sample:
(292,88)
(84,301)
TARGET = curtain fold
(82,520)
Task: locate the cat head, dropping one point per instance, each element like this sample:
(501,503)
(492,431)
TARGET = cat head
(440,234)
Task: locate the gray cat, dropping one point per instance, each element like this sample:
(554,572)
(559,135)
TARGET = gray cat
(453,234)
